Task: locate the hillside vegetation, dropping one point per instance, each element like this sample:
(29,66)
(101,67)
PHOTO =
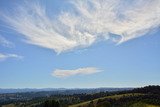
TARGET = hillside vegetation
(139,97)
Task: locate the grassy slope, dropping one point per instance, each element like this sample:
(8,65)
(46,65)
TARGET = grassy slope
(9,105)
(137,104)
(114,97)
(85,104)
(140,104)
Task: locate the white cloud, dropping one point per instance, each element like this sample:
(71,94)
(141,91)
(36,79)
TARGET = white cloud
(66,73)
(6,56)
(89,21)
(4,42)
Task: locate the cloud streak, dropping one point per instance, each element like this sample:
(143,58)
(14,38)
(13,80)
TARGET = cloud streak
(88,22)
(80,71)
(7,56)
(4,42)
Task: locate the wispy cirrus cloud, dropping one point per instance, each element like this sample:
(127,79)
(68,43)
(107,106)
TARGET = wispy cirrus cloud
(88,22)
(4,42)
(7,56)
(80,71)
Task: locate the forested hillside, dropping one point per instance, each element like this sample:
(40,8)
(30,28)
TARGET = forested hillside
(139,97)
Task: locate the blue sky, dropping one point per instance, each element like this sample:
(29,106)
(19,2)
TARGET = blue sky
(79,44)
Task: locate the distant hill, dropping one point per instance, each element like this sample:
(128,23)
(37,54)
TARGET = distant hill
(27,90)
(63,90)
(148,89)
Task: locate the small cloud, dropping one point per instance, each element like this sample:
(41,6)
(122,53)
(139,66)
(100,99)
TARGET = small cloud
(66,73)
(4,42)
(6,56)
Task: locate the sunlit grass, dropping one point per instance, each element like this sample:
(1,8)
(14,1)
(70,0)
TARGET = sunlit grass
(112,97)
(140,104)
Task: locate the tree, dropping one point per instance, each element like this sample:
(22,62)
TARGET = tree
(51,103)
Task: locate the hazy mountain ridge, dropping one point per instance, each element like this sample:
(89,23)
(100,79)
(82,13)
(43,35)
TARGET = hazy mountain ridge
(61,90)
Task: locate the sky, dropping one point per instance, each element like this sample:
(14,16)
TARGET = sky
(79,43)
